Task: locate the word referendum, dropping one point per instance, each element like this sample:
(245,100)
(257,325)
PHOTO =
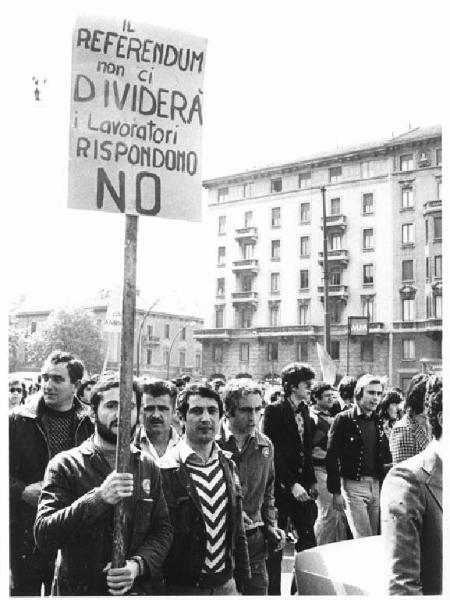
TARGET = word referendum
(147,51)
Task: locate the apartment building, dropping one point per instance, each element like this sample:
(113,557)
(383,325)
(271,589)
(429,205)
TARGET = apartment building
(384,242)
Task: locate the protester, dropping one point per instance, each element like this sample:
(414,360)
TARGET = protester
(209,554)
(85,390)
(16,393)
(76,508)
(330,525)
(410,435)
(356,453)
(344,400)
(252,452)
(288,425)
(389,410)
(157,434)
(411,513)
(50,422)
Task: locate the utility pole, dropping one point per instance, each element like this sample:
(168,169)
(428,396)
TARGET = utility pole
(138,348)
(326,313)
(171,346)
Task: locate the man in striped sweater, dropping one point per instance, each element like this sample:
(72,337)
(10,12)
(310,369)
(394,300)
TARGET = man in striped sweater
(209,554)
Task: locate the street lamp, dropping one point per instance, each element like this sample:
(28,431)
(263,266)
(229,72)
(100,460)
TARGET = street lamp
(138,349)
(171,346)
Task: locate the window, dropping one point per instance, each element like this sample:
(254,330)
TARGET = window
(335,277)
(335,174)
(198,359)
(302,351)
(426,231)
(305,212)
(149,357)
(408,349)
(427,268)
(437,228)
(183,333)
(304,246)
(219,317)
(367,273)
(439,190)
(274,312)
(408,309)
(335,241)
(335,349)
(367,307)
(406,162)
(248,251)
(407,197)
(221,255)
(276,185)
(438,307)
(272,351)
(366,169)
(367,350)
(221,286)
(217,353)
(303,314)
(335,206)
(367,204)
(438,266)
(245,318)
(246,283)
(149,330)
(407,270)
(275,249)
(166,357)
(167,330)
(407,233)
(304,180)
(222,194)
(33,326)
(182,359)
(367,239)
(247,190)
(244,352)
(248,218)
(222,223)
(274,282)
(428,303)
(439,156)
(276,217)
(335,308)
(304,279)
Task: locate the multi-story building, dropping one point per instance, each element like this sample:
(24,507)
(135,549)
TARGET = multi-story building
(383,230)
(166,343)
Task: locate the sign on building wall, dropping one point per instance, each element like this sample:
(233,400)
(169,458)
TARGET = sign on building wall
(136,119)
(358,326)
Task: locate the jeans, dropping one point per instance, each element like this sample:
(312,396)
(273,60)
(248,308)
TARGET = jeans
(257,586)
(362,505)
(226,589)
(331,524)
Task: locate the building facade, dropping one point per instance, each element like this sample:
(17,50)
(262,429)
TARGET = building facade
(384,246)
(167,347)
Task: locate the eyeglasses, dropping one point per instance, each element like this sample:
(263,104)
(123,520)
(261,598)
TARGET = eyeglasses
(15,389)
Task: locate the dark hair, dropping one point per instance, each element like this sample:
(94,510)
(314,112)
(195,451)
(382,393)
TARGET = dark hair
(236,389)
(319,388)
(75,367)
(109,382)
(160,387)
(433,406)
(244,376)
(415,396)
(275,395)
(346,387)
(392,396)
(193,389)
(84,384)
(294,373)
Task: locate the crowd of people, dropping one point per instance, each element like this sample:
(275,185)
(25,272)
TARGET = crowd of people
(220,473)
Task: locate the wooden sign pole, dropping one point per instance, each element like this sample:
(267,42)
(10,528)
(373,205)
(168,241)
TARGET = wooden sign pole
(126,380)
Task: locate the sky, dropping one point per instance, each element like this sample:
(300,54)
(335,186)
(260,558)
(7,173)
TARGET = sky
(283,80)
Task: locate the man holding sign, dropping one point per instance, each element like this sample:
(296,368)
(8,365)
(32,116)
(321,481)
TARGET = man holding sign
(75,511)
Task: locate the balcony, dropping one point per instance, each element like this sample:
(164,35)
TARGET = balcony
(335,222)
(334,291)
(151,340)
(244,298)
(433,206)
(335,257)
(246,234)
(245,265)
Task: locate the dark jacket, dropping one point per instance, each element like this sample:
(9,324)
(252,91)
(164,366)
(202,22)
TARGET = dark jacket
(345,449)
(28,458)
(293,458)
(187,554)
(72,516)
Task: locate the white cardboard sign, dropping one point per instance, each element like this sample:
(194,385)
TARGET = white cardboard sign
(136,119)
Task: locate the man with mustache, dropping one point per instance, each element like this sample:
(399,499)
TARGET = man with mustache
(76,508)
(157,434)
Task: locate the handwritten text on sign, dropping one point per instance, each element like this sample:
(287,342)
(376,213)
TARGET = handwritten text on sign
(136,120)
